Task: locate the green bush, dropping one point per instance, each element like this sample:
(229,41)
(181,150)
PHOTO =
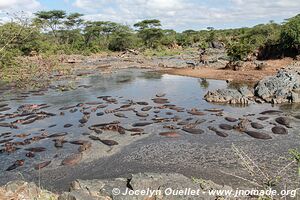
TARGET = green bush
(57,32)
(290,34)
(238,50)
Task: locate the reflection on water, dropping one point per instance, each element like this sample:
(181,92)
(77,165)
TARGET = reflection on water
(203,83)
(151,75)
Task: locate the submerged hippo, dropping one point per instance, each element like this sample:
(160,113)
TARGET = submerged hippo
(225,127)
(271,112)
(279,130)
(72,159)
(283,121)
(42,165)
(141,124)
(218,132)
(169,134)
(17,163)
(146,108)
(231,119)
(193,130)
(258,135)
(256,125)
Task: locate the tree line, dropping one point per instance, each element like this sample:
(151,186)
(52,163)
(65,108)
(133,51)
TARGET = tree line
(57,32)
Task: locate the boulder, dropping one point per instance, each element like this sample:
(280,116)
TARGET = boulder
(295,96)
(231,96)
(281,88)
(24,190)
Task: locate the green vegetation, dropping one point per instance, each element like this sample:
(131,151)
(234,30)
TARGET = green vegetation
(290,34)
(57,32)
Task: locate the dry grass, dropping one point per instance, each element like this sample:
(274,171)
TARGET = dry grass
(34,71)
(260,176)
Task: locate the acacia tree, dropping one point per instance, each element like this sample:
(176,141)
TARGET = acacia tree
(53,20)
(71,33)
(187,37)
(121,39)
(16,38)
(169,38)
(74,21)
(150,32)
(99,29)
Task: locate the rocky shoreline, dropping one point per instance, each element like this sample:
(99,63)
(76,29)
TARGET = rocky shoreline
(156,186)
(284,87)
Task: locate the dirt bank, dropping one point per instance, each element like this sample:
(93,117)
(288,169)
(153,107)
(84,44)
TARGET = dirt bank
(247,75)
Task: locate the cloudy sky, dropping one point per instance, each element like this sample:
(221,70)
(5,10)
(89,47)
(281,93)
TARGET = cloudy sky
(175,14)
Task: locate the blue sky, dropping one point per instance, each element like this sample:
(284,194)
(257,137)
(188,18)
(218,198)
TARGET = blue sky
(175,14)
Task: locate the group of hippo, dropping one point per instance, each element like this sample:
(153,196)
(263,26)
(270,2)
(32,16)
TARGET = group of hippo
(175,121)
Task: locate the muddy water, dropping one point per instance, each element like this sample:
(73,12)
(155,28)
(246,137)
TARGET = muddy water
(192,154)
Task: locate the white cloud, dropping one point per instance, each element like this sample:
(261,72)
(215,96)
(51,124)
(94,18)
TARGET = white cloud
(90,5)
(19,4)
(21,9)
(189,13)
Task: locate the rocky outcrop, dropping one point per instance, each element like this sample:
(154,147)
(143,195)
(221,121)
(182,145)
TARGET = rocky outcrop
(231,96)
(21,190)
(282,88)
(142,186)
(159,183)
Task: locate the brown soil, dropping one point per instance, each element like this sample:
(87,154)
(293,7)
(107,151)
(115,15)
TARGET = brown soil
(248,74)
